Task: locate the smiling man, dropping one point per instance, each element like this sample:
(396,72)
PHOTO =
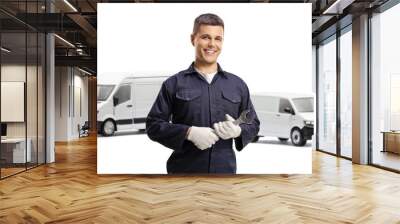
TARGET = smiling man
(195,108)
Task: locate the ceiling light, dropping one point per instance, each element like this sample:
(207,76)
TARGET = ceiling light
(70,5)
(64,40)
(5,50)
(338,6)
(84,71)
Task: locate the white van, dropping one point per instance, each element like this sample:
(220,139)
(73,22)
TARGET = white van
(125,106)
(285,115)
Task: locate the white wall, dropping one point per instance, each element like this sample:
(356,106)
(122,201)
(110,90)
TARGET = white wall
(16,73)
(61,103)
(33,126)
(80,83)
(68,83)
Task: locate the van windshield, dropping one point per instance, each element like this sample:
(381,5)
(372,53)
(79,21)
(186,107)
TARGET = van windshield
(104,91)
(304,105)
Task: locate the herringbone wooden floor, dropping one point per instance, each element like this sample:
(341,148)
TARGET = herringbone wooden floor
(70,191)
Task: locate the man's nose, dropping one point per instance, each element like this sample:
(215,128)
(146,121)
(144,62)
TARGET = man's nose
(211,43)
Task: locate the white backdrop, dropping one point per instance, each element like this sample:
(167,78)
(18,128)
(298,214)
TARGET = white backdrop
(267,45)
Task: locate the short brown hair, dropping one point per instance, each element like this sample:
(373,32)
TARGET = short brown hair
(207,19)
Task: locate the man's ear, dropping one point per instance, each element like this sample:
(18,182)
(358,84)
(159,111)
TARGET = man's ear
(192,39)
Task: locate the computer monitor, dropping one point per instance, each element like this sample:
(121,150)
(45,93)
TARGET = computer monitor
(3,129)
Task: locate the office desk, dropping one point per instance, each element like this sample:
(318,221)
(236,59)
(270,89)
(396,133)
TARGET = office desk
(13,150)
(391,141)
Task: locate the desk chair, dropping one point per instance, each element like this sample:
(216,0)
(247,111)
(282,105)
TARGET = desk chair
(84,130)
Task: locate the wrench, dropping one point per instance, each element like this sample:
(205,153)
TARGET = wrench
(244,118)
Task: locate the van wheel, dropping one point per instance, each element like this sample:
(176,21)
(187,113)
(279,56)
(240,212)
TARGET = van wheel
(255,139)
(108,128)
(297,137)
(283,139)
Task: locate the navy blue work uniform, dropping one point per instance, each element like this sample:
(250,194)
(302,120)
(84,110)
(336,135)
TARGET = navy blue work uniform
(186,99)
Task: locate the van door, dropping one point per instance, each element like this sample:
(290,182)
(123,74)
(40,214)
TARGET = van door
(284,119)
(145,92)
(123,109)
(266,108)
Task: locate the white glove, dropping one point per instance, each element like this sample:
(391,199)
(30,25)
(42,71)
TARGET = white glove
(227,129)
(202,137)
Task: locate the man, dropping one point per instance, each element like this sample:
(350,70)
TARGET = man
(197,100)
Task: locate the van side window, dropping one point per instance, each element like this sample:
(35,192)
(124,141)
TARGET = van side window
(264,104)
(283,103)
(123,94)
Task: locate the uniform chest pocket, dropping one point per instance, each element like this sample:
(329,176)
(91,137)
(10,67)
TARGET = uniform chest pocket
(230,103)
(188,95)
(231,97)
(188,101)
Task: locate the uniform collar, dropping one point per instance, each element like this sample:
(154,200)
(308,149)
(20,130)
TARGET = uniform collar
(191,70)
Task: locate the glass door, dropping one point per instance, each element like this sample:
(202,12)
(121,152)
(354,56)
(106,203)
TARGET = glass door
(385,89)
(346,93)
(327,95)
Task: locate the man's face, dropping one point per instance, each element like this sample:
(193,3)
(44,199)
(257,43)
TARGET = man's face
(208,43)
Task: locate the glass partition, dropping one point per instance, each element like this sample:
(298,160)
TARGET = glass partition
(327,95)
(13,95)
(385,89)
(22,77)
(346,93)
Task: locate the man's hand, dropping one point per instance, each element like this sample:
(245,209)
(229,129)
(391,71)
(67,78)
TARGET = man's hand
(202,137)
(227,129)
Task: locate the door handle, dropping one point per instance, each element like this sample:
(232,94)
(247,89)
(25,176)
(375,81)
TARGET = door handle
(130,105)
(278,115)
